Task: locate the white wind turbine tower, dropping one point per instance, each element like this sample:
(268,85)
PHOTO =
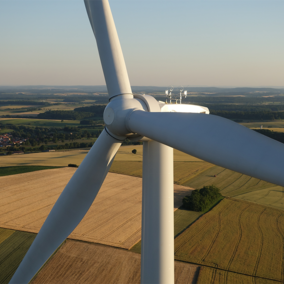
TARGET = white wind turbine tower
(184,127)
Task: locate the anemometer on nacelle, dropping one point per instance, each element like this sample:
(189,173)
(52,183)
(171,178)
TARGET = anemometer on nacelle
(181,94)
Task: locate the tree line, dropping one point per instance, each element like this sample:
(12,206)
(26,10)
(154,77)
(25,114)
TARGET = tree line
(249,115)
(80,113)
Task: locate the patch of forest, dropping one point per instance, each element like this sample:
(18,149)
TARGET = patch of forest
(76,114)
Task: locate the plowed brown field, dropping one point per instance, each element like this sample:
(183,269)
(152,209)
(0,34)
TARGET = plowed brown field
(78,262)
(113,219)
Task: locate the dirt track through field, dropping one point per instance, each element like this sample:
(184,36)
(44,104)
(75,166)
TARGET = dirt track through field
(79,262)
(113,219)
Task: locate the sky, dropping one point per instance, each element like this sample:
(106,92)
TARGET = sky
(229,43)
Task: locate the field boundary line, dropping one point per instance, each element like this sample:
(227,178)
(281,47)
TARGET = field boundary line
(221,269)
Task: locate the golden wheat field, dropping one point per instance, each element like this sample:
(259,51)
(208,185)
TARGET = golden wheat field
(236,236)
(63,158)
(188,171)
(113,219)
(79,262)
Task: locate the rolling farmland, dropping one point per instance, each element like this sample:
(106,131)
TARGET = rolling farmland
(40,122)
(236,236)
(79,262)
(188,171)
(114,219)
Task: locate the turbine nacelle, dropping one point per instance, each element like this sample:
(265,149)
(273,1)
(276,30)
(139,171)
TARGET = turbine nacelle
(119,109)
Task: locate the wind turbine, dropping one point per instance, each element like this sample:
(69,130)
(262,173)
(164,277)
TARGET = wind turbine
(184,127)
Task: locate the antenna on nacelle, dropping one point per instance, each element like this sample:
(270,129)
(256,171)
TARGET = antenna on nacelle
(169,94)
(182,93)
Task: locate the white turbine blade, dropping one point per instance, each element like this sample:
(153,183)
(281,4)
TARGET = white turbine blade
(70,208)
(216,140)
(110,51)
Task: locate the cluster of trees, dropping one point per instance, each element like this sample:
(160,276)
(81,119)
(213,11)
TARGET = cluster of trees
(249,115)
(43,148)
(64,114)
(96,110)
(201,199)
(81,113)
(73,145)
(42,135)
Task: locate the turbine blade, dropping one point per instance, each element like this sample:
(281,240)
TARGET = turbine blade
(71,206)
(215,139)
(110,51)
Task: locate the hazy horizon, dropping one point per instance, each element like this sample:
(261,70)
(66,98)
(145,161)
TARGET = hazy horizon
(181,43)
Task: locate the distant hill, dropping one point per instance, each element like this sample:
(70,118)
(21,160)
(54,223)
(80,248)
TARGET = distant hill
(204,91)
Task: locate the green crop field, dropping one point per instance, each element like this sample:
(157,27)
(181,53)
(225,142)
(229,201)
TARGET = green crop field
(39,122)
(216,276)
(13,247)
(51,159)
(273,129)
(236,236)
(5,130)
(7,171)
(266,124)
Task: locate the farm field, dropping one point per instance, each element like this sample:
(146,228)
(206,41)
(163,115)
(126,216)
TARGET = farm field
(216,276)
(79,262)
(195,173)
(5,130)
(273,129)
(58,158)
(240,186)
(7,171)
(182,219)
(236,236)
(13,247)
(271,196)
(39,122)
(188,171)
(266,124)
(113,219)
